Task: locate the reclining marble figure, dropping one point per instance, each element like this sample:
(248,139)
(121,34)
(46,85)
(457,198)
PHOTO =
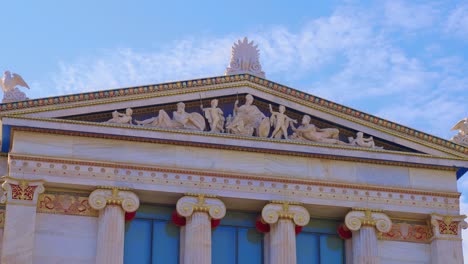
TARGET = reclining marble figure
(180,120)
(309,132)
(121,118)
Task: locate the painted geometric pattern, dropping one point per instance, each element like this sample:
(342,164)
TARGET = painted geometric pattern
(409,232)
(314,100)
(448,228)
(65,203)
(22,192)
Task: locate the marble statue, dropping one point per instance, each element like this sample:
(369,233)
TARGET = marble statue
(180,120)
(11,93)
(245,59)
(462,136)
(309,132)
(361,141)
(215,116)
(281,122)
(248,119)
(121,118)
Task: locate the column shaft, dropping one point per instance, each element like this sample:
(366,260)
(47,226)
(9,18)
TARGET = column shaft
(182,245)
(110,241)
(283,242)
(349,251)
(198,239)
(266,248)
(365,246)
(19,233)
(446,251)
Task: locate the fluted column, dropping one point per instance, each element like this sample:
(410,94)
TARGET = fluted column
(198,211)
(446,245)
(112,204)
(363,223)
(21,198)
(282,218)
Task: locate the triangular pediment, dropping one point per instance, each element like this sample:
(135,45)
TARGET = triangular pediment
(96,108)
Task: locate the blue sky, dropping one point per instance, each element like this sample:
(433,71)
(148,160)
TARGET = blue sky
(406,61)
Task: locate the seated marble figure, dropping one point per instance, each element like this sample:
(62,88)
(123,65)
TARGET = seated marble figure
(248,119)
(361,141)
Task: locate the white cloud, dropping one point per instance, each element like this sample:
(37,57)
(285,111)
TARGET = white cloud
(186,59)
(409,16)
(457,22)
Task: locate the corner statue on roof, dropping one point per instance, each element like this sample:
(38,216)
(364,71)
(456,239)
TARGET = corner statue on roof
(10,92)
(462,136)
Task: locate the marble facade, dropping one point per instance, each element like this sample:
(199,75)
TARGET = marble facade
(69,183)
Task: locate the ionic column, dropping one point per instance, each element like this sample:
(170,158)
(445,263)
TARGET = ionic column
(20,219)
(446,245)
(282,218)
(363,223)
(112,203)
(198,211)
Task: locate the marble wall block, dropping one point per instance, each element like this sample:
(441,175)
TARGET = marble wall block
(395,252)
(65,239)
(18,235)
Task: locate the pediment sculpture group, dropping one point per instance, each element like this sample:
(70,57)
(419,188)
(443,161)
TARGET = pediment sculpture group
(246,120)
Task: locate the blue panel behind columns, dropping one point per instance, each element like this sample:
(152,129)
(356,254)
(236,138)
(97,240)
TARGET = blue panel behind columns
(236,241)
(6,130)
(331,249)
(137,245)
(224,245)
(307,248)
(166,239)
(318,243)
(250,246)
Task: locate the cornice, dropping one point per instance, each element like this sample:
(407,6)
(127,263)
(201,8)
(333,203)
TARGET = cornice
(243,148)
(232,81)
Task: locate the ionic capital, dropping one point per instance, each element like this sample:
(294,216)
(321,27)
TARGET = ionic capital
(368,217)
(21,191)
(448,227)
(104,196)
(189,204)
(274,211)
